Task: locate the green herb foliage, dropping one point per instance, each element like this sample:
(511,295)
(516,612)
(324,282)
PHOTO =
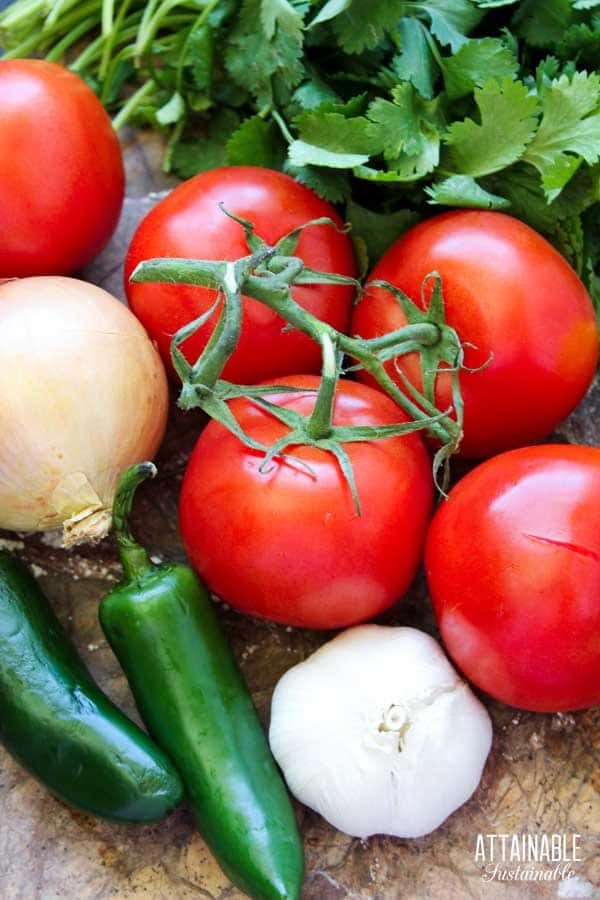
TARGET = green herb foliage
(393,109)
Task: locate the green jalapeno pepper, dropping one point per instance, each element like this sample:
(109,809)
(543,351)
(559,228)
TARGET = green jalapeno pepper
(60,726)
(164,630)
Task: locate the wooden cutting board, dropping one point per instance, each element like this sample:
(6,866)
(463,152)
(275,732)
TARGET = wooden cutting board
(542,776)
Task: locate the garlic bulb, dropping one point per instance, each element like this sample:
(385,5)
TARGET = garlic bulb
(83,395)
(377,733)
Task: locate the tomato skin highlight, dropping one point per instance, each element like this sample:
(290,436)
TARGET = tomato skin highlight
(61,171)
(511,294)
(189,223)
(289,546)
(513,565)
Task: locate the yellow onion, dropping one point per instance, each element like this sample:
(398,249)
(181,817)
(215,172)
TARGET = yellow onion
(83,395)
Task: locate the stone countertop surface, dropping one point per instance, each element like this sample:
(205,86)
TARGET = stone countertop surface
(542,775)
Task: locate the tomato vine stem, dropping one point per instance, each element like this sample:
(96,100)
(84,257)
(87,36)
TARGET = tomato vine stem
(268,274)
(321,418)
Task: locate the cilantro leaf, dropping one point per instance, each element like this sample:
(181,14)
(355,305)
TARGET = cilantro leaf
(378,230)
(591,223)
(301,153)
(199,55)
(591,264)
(355,106)
(581,42)
(314,92)
(476,62)
(569,130)
(415,62)
(569,239)
(403,172)
(329,184)
(543,24)
(330,139)
(331,9)
(252,61)
(522,185)
(406,131)
(580,194)
(547,70)
(456,108)
(172,111)
(189,158)
(592,282)
(452,20)
(464,191)
(120,75)
(358,27)
(508,123)
(256,143)
(276,14)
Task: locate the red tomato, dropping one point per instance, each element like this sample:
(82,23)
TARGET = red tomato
(189,223)
(289,546)
(513,564)
(61,171)
(511,294)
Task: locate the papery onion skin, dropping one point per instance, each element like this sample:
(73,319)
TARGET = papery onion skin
(83,395)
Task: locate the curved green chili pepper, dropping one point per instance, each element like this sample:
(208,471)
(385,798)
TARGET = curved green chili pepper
(58,724)
(163,628)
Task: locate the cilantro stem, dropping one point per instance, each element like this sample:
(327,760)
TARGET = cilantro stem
(108,80)
(58,9)
(94,50)
(282,126)
(171,144)
(107,21)
(17,13)
(151,24)
(71,38)
(21,13)
(132,104)
(110,29)
(86,56)
(23,49)
(71,18)
(148,12)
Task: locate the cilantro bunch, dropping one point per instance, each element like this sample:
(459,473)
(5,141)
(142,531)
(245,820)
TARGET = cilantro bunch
(391,109)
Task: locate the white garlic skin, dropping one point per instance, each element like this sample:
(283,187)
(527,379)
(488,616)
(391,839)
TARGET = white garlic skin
(377,733)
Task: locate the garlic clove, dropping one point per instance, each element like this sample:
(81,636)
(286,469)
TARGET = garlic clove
(377,733)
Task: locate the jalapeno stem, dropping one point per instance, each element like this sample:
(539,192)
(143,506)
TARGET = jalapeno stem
(134,558)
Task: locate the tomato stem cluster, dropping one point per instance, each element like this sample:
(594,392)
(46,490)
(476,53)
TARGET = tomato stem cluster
(320,422)
(267,274)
